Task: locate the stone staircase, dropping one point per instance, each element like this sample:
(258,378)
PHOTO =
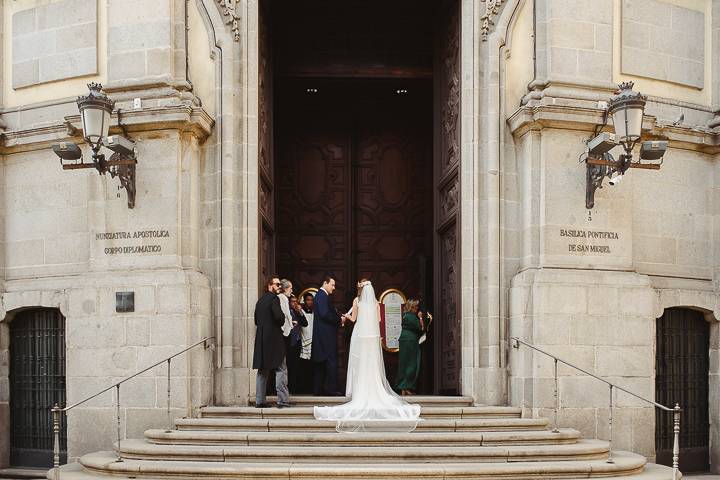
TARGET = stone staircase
(456,440)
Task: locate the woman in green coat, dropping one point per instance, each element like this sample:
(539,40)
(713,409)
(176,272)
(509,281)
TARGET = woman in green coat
(409,362)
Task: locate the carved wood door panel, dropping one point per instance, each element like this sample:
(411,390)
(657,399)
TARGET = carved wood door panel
(447,164)
(354,193)
(313,207)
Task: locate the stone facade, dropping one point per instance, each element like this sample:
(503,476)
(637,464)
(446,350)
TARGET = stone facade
(533,73)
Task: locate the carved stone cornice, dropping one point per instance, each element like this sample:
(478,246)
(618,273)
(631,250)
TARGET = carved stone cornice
(229,9)
(492,8)
(528,118)
(183,118)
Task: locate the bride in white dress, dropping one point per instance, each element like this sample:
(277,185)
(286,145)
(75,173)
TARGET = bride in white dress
(373,405)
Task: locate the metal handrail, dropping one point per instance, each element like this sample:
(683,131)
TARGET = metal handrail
(57,411)
(676,411)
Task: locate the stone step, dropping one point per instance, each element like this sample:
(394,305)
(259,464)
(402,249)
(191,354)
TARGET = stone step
(102,464)
(22,473)
(307,412)
(386,439)
(580,450)
(307,425)
(426,400)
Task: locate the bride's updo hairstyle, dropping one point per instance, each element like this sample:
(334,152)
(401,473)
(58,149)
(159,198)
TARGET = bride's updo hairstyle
(361,284)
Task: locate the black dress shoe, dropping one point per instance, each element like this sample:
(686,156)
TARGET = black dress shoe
(262,405)
(284,405)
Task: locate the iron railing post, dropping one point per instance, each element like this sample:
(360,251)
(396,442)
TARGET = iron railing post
(676,440)
(610,424)
(557,398)
(169,418)
(117,390)
(56,440)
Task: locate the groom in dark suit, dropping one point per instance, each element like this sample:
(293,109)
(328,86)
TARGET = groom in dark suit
(324,340)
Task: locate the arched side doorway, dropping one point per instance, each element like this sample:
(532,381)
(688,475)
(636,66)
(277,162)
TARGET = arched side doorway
(682,376)
(37,382)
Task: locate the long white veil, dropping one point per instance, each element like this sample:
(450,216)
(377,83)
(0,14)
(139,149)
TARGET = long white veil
(373,405)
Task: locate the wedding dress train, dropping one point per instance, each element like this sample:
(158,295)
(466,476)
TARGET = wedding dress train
(373,405)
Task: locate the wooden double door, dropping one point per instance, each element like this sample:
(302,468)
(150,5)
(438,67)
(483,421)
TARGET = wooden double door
(354,185)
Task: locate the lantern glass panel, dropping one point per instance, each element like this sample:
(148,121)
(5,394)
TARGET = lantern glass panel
(628,123)
(95,123)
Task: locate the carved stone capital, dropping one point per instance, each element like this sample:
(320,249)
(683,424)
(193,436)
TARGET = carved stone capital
(492,8)
(229,9)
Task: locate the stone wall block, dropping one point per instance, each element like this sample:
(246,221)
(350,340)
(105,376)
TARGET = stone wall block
(126,65)
(137,331)
(151,355)
(173,299)
(648,11)
(104,362)
(571,34)
(638,301)
(622,427)
(178,392)
(90,430)
(159,61)
(643,430)
(141,419)
(595,65)
(625,330)
(95,332)
(24,22)
(581,419)
(582,357)
(139,36)
(67,12)
(26,73)
(168,330)
(80,388)
(563,61)
(81,302)
(583,392)
(557,299)
(139,392)
(625,361)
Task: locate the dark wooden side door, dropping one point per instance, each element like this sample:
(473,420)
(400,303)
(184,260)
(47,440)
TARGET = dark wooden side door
(37,382)
(682,367)
(354,187)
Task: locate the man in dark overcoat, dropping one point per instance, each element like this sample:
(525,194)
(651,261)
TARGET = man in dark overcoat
(269,352)
(324,340)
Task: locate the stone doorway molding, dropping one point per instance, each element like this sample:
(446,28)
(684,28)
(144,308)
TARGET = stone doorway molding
(235,27)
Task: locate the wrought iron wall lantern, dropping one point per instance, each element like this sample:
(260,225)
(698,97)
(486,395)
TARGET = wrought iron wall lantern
(95,110)
(626,108)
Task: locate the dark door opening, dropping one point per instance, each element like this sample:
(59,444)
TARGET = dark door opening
(681,376)
(37,383)
(358,135)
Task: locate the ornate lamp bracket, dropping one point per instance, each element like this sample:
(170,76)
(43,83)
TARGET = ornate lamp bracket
(123,167)
(594,178)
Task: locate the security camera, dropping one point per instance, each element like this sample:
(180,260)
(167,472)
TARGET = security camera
(653,150)
(67,151)
(119,144)
(601,144)
(615,178)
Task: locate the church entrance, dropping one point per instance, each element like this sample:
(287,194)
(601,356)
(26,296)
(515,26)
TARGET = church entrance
(357,143)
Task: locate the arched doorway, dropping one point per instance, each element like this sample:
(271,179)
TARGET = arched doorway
(681,376)
(37,382)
